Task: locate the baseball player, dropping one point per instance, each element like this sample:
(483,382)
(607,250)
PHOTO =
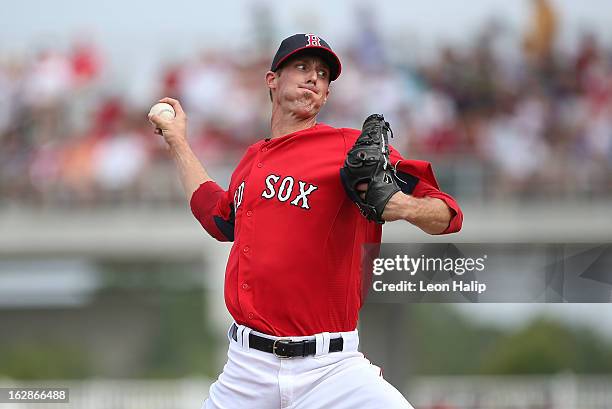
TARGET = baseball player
(293,279)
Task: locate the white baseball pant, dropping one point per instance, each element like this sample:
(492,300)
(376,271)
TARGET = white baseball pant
(253,379)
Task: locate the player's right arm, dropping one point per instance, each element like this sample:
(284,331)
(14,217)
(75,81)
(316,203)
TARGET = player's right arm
(174,131)
(209,203)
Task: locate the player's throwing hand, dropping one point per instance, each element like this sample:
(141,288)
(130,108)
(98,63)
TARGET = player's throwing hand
(173,130)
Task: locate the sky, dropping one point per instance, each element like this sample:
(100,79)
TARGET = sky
(130,27)
(138,37)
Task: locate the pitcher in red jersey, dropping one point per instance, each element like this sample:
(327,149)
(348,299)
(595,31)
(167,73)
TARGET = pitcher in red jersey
(293,278)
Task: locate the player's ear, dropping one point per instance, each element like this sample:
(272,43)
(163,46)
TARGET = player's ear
(271,79)
(271,82)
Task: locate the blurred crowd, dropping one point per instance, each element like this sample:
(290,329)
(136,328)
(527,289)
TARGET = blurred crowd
(506,116)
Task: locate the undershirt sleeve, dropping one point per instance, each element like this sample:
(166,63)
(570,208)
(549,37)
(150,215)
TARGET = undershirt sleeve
(212,207)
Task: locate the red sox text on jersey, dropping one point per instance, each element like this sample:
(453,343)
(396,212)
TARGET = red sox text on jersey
(285,191)
(294,267)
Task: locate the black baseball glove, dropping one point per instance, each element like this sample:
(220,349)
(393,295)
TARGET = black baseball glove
(368,162)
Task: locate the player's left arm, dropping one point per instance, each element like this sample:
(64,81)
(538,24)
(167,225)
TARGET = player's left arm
(430,214)
(421,202)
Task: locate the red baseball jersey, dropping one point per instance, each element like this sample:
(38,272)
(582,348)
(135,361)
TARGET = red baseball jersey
(295,266)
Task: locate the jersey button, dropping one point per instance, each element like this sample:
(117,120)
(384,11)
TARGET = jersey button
(260,165)
(246,249)
(249,213)
(264,149)
(251,316)
(245,286)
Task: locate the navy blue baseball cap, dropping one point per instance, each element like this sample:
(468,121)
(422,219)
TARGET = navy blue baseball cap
(310,43)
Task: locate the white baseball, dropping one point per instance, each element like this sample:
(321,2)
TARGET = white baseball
(163,110)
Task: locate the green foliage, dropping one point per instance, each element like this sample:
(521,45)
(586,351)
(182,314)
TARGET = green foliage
(42,360)
(183,345)
(448,343)
(170,298)
(544,347)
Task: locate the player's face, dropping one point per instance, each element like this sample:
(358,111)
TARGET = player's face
(302,86)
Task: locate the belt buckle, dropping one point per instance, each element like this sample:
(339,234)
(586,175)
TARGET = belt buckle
(274,347)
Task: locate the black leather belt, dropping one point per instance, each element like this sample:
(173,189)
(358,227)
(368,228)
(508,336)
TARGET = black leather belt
(284,348)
